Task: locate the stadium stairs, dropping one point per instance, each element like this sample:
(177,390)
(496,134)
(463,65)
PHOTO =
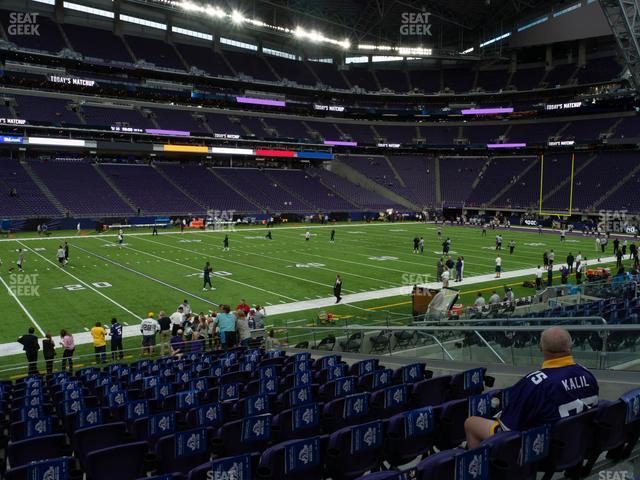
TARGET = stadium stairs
(509,186)
(113,186)
(564,182)
(177,186)
(340,168)
(43,187)
(238,191)
(628,177)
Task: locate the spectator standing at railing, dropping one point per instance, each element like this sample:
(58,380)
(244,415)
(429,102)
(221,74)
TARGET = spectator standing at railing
(226,321)
(165,333)
(115,332)
(149,327)
(177,318)
(48,352)
(99,335)
(242,327)
(68,347)
(30,346)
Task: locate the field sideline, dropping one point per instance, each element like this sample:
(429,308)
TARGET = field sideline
(150,274)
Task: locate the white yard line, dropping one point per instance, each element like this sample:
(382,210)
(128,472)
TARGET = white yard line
(21,305)
(273,272)
(85,338)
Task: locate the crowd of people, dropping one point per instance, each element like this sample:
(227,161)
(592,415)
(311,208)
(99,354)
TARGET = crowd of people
(181,332)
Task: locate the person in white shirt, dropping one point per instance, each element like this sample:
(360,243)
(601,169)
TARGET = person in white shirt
(510,296)
(149,327)
(307,235)
(480,301)
(60,254)
(539,273)
(445,278)
(578,260)
(494,299)
(498,266)
(177,318)
(186,308)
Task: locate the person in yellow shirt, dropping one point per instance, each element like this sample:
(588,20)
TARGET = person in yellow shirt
(99,334)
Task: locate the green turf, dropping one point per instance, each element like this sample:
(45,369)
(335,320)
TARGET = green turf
(157,273)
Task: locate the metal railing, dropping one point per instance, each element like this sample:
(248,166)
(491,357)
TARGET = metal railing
(609,345)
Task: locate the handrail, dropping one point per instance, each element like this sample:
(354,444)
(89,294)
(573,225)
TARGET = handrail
(515,328)
(507,319)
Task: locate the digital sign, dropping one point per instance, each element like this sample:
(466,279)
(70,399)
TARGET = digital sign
(118,128)
(487,111)
(562,106)
(12,121)
(11,139)
(260,101)
(226,136)
(340,143)
(158,131)
(275,153)
(81,82)
(185,148)
(562,143)
(329,108)
(58,142)
(506,145)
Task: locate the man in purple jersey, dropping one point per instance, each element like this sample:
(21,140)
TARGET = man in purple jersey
(561,388)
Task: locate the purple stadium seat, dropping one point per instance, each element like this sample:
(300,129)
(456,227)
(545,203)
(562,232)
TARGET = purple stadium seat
(39,448)
(183,451)
(469,382)
(390,400)
(355,450)
(432,391)
(451,423)
(570,440)
(297,422)
(22,473)
(87,440)
(504,454)
(411,373)
(345,411)
(131,461)
(410,434)
(241,466)
(292,460)
(250,434)
(440,466)
(382,476)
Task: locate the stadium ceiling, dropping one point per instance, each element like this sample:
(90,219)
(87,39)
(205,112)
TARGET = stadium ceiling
(455,24)
(379,21)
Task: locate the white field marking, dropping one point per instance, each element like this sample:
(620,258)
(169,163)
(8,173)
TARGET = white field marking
(372,265)
(244,265)
(322,267)
(222,276)
(148,277)
(21,305)
(82,337)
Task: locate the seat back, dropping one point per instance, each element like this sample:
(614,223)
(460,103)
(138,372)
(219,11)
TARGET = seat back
(87,440)
(354,450)
(39,448)
(410,434)
(570,438)
(183,451)
(293,460)
(131,461)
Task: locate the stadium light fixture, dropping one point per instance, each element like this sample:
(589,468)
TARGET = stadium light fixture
(237,17)
(468,50)
(402,51)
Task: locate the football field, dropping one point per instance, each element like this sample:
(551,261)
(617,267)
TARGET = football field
(291,277)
